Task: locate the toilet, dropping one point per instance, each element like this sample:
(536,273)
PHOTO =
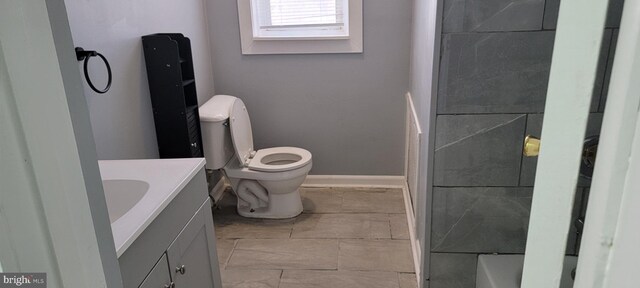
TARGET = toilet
(266,181)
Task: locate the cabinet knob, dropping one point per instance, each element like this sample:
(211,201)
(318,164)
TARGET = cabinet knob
(181,269)
(170,285)
(194,144)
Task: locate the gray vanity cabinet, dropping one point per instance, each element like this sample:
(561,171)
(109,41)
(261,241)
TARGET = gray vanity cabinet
(182,234)
(159,275)
(192,258)
(189,266)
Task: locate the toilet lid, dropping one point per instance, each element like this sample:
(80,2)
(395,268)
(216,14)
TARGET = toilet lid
(241,131)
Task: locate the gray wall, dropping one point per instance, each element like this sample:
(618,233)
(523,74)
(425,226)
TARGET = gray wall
(347,109)
(492,87)
(121,119)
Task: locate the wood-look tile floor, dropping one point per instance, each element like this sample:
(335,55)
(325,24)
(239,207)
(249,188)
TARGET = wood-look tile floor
(345,238)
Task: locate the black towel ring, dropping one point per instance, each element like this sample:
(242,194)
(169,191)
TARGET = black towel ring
(82,54)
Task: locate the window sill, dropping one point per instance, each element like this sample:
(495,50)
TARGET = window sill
(302,38)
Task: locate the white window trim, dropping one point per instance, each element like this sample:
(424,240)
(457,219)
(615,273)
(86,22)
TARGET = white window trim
(311,45)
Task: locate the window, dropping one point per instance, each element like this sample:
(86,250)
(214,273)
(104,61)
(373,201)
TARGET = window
(300,26)
(299,19)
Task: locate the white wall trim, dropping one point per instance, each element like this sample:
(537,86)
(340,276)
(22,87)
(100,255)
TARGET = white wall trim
(414,114)
(411,222)
(354,181)
(413,149)
(407,122)
(411,196)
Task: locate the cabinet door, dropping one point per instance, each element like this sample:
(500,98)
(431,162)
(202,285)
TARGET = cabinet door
(193,260)
(159,275)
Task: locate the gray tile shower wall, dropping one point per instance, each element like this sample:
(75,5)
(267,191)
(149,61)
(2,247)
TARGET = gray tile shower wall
(478,150)
(502,72)
(482,15)
(494,72)
(450,270)
(480,219)
(486,219)
(492,84)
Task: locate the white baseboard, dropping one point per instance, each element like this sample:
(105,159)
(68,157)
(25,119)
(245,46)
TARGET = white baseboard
(381,181)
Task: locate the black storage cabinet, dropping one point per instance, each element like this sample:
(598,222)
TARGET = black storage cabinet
(173,94)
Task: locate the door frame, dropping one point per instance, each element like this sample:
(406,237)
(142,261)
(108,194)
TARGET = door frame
(612,213)
(609,247)
(52,199)
(573,72)
(620,269)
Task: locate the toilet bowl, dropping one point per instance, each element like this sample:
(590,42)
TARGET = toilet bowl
(266,181)
(280,188)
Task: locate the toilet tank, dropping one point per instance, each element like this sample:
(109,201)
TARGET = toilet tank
(214,126)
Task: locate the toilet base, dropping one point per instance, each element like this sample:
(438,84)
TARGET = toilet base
(280,206)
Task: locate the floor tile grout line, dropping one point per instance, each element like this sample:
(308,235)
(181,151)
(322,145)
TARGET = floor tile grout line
(317,238)
(280,279)
(293,223)
(337,254)
(281,270)
(390,229)
(226,262)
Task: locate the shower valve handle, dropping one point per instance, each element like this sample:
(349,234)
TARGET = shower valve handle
(531,146)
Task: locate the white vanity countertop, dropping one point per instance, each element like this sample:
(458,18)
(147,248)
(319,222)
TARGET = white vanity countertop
(166,178)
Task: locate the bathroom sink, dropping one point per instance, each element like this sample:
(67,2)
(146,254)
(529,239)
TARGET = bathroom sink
(122,194)
(136,191)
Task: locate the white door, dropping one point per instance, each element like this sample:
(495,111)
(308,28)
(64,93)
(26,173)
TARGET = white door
(577,43)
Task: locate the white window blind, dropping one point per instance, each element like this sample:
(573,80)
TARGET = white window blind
(300,26)
(299,18)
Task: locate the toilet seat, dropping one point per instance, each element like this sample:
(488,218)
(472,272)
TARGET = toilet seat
(276,159)
(279,159)
(241,133)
